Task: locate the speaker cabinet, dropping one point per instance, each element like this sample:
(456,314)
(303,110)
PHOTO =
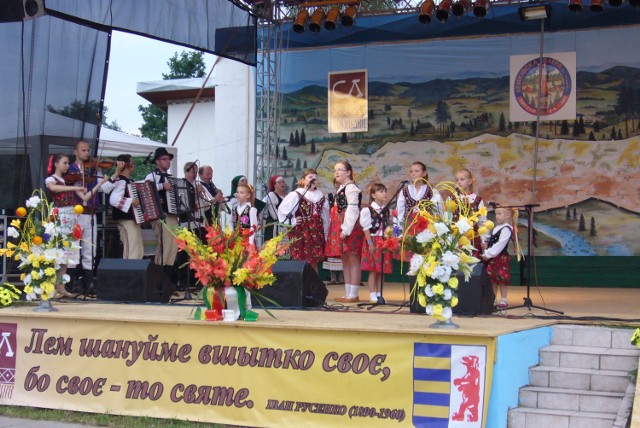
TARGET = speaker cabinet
(297,285)
(18,10)
(475,297)
(124,280)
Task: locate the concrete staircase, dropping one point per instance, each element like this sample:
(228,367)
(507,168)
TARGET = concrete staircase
(583,380)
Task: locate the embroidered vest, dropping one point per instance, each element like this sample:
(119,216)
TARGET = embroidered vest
(410,203)
(118,214)
(341,199)
(494,238)
(306,208)
(62,199)
(243,218)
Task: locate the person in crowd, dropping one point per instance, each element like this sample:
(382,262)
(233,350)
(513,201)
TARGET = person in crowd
(205,174)
(374,219)
(244,216)
(496,255)
(334,264)
(232,202)
(202,201)
(414,193)
(123,204)
(167,248)
(87,172)
(345,234)
(306,210)
(277,192)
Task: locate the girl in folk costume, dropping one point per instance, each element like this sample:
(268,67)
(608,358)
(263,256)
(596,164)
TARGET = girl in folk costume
(496,256)
(333,264)
(310,219)
(374,219)
(244,216)
(123,204)
(416,191)
(345,234)
(62,197)
(464,182)
(277,192)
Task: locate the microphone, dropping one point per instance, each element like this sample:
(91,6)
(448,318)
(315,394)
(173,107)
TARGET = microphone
(313,180)
(404,182)
(148,158)
(492,204)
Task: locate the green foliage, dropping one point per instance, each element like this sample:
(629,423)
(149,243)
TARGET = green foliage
(185,65)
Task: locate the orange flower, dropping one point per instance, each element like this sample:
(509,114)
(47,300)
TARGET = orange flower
(36,240)
(21,212)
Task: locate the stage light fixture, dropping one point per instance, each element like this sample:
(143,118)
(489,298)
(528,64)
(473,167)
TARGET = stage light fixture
(443,10)
(596,5)
(331,20)
(575,5)
(315,22)
(349,16)
(301,21)
(534,12)
(425,14)
(480,8)
(615,3)
(460,7)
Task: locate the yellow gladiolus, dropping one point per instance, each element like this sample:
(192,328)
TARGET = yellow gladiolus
(464,240)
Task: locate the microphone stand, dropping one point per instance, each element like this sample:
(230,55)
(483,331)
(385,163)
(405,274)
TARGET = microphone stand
(381,301)
(295,207)
(527,300)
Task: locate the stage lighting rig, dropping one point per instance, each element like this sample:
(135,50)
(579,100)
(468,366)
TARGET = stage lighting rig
(575,5)
(460,7)
(480,8)
(444,8)
(425,12)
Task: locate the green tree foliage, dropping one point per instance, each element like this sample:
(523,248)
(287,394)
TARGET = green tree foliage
(181,66)
(502,124)
(581,224)
(284,153)
(313,146)
(443,116)
(592,231)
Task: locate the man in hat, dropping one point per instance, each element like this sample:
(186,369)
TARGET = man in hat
(167,248)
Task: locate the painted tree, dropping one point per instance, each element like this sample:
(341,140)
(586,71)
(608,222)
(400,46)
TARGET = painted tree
(564,128)
(313,145)
(596,126)
(592,136)
(304,165)
(292,141)
(613,133)
(443,116)
(303,138)
(284,153)
(568,214)
(296,139)
(575,213)
(343,138)
(502,123)
(581,225)
(592,230)
(298,164)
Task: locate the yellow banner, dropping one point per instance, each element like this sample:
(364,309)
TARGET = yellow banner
(229,373)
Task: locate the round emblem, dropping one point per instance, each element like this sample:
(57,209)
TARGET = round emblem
(554,86)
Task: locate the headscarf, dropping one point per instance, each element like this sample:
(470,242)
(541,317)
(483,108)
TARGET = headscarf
(234,184)
(272,182)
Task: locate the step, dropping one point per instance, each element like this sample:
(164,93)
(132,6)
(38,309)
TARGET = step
(603,337)
(525,417)
(570,399)
(581,379)
(589,357)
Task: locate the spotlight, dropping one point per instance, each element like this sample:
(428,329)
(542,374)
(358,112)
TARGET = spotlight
(615,3)
(460,7)
(331,20)
(596,5)
(480,8)
(534,12)
(315,22)
(301,21)
(426,11)
(349,16)
(443,10)
(575,5)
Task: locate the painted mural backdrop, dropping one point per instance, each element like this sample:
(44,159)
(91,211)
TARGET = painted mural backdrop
(446,103)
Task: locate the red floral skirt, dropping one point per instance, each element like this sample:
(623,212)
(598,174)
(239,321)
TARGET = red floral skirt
(309,240)
(499,269)
(380,260)
(336,246)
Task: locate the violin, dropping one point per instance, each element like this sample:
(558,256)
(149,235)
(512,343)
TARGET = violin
(89,167)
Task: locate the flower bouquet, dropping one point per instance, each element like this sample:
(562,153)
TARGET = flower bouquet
(442,246)
(635,338)
(45,244)
(224,263)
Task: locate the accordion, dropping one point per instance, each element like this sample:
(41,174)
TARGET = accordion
(182,198)
(150,208)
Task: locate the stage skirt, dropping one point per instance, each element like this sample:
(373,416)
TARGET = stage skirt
(308,239)
(380,260)
(499,269)
(335,246)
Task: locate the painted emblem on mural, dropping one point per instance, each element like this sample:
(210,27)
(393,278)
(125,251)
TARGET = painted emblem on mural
(7,359)
(448,385)
(553,84)
(347,107)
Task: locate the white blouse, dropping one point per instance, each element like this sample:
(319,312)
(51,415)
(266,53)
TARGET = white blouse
(290,203)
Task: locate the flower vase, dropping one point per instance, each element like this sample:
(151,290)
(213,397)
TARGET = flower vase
(45,306)
(444,324)
(231,300)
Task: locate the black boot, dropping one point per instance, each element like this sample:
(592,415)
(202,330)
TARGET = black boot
(88,287)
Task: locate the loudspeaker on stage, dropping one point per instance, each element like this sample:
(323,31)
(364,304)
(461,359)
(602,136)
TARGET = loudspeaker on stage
(297,285)
(124,280)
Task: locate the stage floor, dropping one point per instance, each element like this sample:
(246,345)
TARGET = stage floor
(580,305)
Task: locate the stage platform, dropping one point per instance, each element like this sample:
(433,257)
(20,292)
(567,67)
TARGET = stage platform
(343,365)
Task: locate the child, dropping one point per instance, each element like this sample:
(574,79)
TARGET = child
(496,256)
(62,197)
(122,213)
(465,181)
(277,192)
(345,233)
(245,216)
(374,220)
(334,264)
(309,212)
(416,191)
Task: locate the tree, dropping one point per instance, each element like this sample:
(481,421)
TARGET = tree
(412,130)
(596,126)
(277,151)
(613,133)
(343,138)
(592,231)
(443,115)
(298,164)
(292,142)
(581,225)
(575,213)
(296,139)
(303,138)
(313,145)
(620,134)
(564,128)
(304,165)
(181,66)
(592,136)
(568,214)
(502,123)
(284,153)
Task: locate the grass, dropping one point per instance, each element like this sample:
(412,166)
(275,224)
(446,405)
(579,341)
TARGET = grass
(99,419)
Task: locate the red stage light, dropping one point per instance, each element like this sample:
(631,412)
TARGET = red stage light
(315,22)
(461,7)
(331,20)
(443,10)
(301,21)
(426,11)
(480,8)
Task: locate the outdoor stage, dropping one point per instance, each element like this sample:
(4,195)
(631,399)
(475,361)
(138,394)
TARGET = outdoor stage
(334,366)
